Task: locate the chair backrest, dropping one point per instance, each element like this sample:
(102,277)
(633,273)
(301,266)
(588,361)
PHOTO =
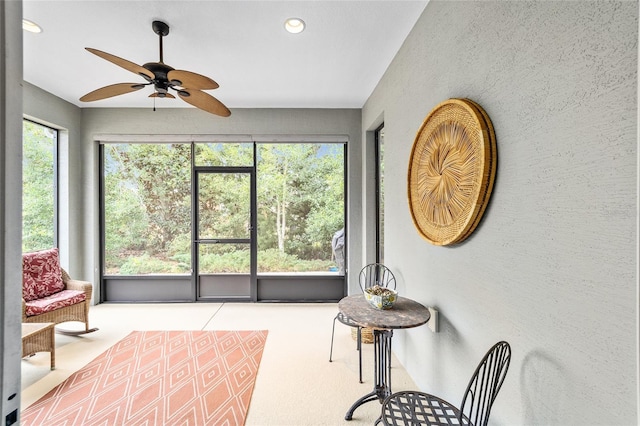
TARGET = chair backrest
(377,274)
(485,385)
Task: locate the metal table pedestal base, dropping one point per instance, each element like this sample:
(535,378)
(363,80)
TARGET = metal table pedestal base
(382,371)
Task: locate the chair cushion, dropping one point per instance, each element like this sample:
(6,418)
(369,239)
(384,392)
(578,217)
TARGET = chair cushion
(41,274)
(55,301)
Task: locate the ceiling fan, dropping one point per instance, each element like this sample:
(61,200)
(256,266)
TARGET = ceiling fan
(188,85)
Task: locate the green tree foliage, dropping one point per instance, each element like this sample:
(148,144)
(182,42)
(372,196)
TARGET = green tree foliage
(38,191)
(147,200)
(224,154)
(148,206)
(326,201)
(162,176)
(225,210)
(300,198)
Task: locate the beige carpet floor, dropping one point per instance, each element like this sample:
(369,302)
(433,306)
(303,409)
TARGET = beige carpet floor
(296,383)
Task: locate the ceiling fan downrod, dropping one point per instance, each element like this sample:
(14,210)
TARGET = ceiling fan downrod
(162,29)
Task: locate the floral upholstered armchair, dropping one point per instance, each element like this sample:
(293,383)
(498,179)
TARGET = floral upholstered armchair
(50,295)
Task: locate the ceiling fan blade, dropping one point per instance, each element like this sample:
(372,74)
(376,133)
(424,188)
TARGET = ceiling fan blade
(127,65)
(191,80)
(112,90)
(166,95)
(204,101)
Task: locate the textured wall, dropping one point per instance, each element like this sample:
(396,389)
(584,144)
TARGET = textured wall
(552,268)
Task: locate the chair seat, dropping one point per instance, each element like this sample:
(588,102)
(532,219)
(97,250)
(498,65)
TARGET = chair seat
(418,408)
(55,301)
(346,320)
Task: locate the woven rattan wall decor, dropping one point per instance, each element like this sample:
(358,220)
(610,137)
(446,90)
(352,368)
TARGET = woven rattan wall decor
(451,171)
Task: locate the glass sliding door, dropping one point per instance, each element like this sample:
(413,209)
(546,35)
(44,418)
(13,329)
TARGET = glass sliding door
(223,243)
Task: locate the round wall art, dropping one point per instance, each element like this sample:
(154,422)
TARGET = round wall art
(451,171)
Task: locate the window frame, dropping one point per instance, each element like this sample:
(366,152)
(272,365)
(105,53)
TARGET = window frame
(273,287)
(379,191)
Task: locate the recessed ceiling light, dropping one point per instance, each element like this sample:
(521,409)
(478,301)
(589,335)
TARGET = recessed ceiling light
(294,25)
(30,26)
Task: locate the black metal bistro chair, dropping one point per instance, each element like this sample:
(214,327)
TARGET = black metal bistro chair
(371,275)
(418,408)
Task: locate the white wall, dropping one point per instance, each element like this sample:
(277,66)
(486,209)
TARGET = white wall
(552,268)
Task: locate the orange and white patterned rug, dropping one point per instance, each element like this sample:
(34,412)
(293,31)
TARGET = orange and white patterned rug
(159,378)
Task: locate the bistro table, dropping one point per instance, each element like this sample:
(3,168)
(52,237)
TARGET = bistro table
(405,313)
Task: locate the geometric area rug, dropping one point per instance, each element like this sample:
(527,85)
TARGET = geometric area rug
(159,378)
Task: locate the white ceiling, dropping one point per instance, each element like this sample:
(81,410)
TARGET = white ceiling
(335,63)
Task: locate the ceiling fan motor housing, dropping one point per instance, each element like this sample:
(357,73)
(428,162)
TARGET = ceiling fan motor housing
(161,81)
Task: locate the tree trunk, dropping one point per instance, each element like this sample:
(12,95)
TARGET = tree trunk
(281,213)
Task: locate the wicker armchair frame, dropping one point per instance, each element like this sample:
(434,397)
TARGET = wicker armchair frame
(77,312)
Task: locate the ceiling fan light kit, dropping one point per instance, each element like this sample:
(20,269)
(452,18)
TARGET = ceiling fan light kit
(188,85)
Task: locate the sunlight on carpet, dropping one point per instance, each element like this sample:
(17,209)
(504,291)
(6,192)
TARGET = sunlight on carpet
(159,377)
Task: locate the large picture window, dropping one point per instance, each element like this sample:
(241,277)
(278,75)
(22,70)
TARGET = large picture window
(39,186)
(147,209)
(300,206)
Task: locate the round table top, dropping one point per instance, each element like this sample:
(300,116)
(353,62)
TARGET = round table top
(405,313)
